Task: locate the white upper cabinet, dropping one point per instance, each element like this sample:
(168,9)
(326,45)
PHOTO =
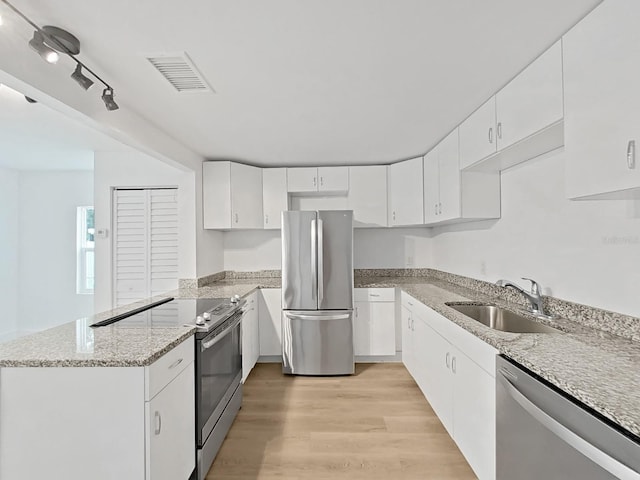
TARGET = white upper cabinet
(602,74)
(453,196)
(368,195)
(274,196)
(522,121)
(406,202)
(232,195)
(478,134)
(317,179)
(532,100)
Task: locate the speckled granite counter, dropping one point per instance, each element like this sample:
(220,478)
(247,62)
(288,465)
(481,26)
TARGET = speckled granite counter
(599,369)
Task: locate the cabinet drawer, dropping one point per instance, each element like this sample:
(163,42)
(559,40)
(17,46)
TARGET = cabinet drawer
(166,368)
(374,294)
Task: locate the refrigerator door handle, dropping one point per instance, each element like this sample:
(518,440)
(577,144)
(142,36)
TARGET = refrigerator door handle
(340,316)
(320,262)
(314,259)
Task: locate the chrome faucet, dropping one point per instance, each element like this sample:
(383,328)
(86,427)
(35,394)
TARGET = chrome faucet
(534,298)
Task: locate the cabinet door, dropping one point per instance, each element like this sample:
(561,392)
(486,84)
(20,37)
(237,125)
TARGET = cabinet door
(478,134)
(250,336)
(270,321)
(431,186)
(406,192)
(474,415)
(449,174)
(436,381)
(601,76)
(374,328)
(302,179)
(274,196)
(170,417)
(333,179)
(368,195)
(216,194)
(407,340)
(246,196)
(532,100)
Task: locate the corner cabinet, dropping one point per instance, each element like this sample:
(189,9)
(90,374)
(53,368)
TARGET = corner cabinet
(601,76)
(232,195)
(406,193)
(454,196)
(368,195)
(115,422)
(456,373)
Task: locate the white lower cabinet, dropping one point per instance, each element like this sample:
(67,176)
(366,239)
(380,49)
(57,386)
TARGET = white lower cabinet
(270,321)
(250,335)
(374,322)
(102,423)
(455,371)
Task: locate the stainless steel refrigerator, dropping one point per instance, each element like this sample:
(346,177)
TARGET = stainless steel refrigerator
(317,292)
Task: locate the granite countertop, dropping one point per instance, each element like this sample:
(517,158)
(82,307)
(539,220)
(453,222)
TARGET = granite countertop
(76,344)
(600,369)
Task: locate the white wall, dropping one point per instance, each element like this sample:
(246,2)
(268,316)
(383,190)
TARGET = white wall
(9,228)
(582,251)
(47,249)
(135,169)
(253,250)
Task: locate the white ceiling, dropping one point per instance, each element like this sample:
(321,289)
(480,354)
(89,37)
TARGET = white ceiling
(35,137)
(315,81)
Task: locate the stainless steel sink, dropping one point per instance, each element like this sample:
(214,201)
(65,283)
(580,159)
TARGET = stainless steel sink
(501,319)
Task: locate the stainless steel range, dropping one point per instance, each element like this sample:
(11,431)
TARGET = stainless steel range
(218,362)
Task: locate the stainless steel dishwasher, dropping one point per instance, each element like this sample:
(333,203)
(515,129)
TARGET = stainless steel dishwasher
(543,434)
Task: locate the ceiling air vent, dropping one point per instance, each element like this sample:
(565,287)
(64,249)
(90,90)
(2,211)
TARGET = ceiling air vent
(180,72)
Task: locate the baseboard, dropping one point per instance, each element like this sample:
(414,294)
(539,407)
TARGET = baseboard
(397,358)
(270,359)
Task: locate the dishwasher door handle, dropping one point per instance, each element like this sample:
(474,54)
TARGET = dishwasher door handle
(605,461)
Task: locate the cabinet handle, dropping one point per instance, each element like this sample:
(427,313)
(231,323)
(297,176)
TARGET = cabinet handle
(266,219)
(490,134)
(453,364)
(315,182)
(499,130)
(410,304)
(357,312)
(413,324)
(439,208)
(321,181)
(394,216)
(236,216)
(446,359)
(158,422)
(435,208)
(175,364)
(409,322)
(631,154)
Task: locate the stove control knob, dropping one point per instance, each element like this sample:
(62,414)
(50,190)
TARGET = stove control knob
(199,320)
(233,299)
(207,316)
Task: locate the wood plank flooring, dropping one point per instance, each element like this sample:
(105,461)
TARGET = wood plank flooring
(373,425)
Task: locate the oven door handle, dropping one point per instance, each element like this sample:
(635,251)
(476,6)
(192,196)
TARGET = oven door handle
(602,459)
(210,343)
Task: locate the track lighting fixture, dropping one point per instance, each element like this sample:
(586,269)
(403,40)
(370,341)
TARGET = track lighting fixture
(84,81)
(107,98)
(48,40)
(37,44)
(30,100)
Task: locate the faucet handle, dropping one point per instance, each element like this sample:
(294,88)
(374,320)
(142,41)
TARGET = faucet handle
(536,289)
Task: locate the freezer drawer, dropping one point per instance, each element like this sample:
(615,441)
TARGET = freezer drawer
(317,342)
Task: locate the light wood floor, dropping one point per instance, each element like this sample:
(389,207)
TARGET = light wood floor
(373,425)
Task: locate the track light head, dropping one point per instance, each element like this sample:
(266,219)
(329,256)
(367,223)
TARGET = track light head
(107,98)
(84,81)
(37,44)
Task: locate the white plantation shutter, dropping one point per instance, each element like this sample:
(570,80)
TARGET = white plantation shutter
(145,243)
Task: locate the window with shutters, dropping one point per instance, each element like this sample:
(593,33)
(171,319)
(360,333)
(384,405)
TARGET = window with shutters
(145,243)
(85,246)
